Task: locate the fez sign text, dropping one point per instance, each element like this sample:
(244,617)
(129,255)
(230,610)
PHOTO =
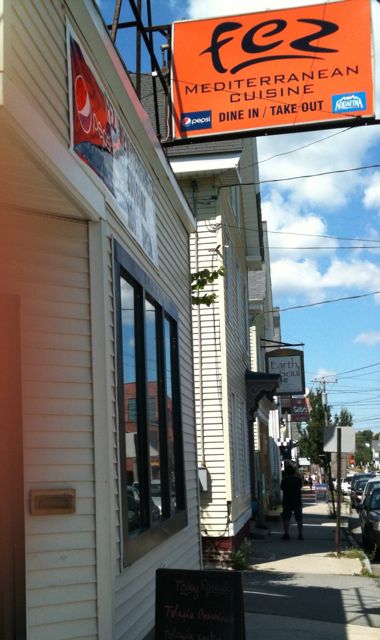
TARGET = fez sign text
(305,45)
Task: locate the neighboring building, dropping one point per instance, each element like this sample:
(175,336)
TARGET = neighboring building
(265,334)
(228,233)
(220,180)
(376,454)
(95,311)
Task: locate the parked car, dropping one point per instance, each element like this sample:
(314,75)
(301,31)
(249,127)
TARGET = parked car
(370,522)
(359,476)
(373,483)
(357,491)
(345,485)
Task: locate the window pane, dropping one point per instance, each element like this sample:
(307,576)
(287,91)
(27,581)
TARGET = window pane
(152,484)
(131,423)
(169,413)
(132,415)
(153,413)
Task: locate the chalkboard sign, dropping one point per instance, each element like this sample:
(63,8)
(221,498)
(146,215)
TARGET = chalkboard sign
(199,605)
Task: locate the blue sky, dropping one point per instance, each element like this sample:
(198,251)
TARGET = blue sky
(338,215)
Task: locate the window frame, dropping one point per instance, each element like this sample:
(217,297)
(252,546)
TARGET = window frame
(136,544)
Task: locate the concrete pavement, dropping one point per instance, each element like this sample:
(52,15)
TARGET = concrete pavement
(300,587)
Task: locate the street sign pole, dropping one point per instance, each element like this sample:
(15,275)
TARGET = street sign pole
(338,492)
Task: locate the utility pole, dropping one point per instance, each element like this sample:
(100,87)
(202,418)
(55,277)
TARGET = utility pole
(322,380)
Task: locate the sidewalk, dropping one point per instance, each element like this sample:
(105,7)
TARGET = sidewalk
(300,587)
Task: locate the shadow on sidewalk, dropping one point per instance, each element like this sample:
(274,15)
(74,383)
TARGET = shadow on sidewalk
(279,594)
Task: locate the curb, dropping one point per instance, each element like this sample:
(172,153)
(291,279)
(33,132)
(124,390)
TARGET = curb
(365,561)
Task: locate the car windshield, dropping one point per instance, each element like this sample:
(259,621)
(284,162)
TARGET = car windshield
(360,478)
(375,500)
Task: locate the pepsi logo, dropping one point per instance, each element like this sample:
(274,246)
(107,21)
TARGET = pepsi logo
(83,104)
(196,120)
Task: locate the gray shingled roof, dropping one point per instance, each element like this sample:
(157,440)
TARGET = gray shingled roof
(256,285)
(194,148)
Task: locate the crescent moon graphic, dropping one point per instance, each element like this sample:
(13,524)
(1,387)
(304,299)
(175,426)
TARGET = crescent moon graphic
(83,104)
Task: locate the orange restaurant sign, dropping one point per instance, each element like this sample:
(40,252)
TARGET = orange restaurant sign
(273,69)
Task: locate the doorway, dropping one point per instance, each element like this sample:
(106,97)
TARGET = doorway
(12,528)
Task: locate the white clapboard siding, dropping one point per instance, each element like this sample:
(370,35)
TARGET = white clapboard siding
(51,276)
(208,342)
(135,586)
(51,268)
(221,358)
(36,46)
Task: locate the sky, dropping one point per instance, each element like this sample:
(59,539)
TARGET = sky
(324,233)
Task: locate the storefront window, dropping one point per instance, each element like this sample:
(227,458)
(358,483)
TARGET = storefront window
(150,427)
(131,423)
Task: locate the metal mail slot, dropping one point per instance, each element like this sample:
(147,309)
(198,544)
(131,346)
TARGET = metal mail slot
(52,502)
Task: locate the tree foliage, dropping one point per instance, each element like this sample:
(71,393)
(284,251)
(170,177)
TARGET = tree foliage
(311,438)
(199,280)
(363,446)
(344,419)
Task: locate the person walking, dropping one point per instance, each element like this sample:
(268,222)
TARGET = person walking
(291,485)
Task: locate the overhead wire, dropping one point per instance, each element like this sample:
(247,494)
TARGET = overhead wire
(215,227)
(300,177)
(368,366)
(315,304)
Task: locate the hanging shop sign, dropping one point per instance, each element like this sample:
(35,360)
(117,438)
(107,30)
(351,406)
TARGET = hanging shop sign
(299,410)
(293,67)
(288,363)
(100,140)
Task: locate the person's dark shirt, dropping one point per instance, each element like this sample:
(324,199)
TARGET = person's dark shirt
(291,490)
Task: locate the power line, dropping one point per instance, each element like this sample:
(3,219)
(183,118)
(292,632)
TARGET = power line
(301,177)
(304,146)
(313,235)
(311,248)
(368,366)
(201,200)
(315,304)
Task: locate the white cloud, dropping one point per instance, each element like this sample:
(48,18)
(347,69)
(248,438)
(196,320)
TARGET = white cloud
(306,278)
(293,232)
(362,275)
(332,152)
(293,278)
(209,8)
(324,373)
(369,338)
(372,192)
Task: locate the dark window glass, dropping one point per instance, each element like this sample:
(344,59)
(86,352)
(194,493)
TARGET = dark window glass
(169,412)
(132,415)
(150,433)
(155,471)
(131,422)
